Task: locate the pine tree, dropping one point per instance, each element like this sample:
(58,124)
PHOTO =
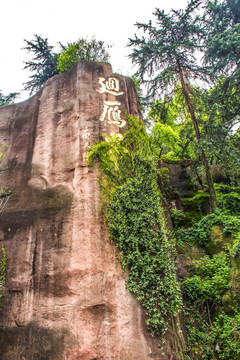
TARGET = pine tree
(221,21)
(222,38)
(43,65)
(165,56)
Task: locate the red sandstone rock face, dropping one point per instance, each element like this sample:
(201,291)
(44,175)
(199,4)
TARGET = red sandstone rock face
(65,292)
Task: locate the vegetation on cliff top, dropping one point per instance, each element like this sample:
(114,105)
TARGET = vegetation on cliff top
(46,63)
(7,99)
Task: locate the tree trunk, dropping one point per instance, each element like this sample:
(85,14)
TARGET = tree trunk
(213,201)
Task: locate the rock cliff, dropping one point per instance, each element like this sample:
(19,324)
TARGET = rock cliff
(65,292)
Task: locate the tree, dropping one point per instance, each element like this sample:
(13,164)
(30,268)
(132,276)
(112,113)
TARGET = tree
(171,112)
(47,63)
(220,137)
(218,120)
(222,53)
(166,56)
(92,50)
(222,37)
(43,65)
(8,99)
(221,42)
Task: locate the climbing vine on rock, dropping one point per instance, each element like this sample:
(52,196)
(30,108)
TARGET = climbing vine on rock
(136,222)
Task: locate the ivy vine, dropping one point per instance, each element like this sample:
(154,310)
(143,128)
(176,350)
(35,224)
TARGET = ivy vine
(136,223)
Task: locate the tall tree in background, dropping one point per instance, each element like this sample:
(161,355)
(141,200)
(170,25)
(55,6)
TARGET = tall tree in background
(222,53)
(165,56)
(221,21)
(222,38)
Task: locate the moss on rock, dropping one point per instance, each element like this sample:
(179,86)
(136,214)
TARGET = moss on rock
(217,240)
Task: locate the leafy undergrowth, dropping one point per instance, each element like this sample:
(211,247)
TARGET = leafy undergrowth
(211,290)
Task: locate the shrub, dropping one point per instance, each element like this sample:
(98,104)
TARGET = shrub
(231,202)
(210,279)
(81,50)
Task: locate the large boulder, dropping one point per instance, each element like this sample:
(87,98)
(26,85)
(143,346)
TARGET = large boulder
(65,291)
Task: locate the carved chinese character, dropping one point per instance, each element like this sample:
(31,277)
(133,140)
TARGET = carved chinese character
(110,86)
(85,133)
(86,141)
(113,113)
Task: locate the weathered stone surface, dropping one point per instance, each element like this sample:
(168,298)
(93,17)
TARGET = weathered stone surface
(65,292)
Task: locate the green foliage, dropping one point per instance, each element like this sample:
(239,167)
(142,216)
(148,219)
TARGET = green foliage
(166,48)
(226,189)
(200,232)
(231,202)
(229,199)
(219,340)
(211,334)
(210,279)
(3,261)
(136,222)
(222,37)
(7,99)
(216,340)
(163,139)
(92,50)
(236,246)
(221,41)
(220,139)
(47,63)
(43,64)
(226,336)
(164,183)
(199,337)
(171,113)
(217,121)
(178,218)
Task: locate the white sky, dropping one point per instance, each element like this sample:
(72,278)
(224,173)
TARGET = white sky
(67,21)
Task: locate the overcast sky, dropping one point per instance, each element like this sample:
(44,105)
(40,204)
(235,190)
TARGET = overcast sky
(67,21)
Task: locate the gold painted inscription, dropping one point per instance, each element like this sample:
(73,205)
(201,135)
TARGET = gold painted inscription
(111,109)
(86,142)
(110,86)
(113,113)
